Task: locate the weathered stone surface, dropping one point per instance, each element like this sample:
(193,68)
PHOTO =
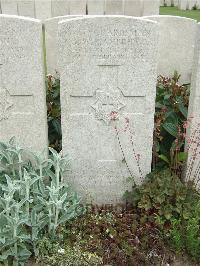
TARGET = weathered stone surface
(177,40)
(114,7)
(133,8)
(22,88)
(77,7)
(95,7)
(108,80)
(60,8)
(51,30)
(26,8)
(43,9)
(193,169)
(9,7)
(151,7)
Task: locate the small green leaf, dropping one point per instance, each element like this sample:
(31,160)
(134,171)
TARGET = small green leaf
(182,156)
(164,158)
(170,128)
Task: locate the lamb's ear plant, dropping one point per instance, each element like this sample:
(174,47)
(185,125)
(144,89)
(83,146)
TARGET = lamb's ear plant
(33,200)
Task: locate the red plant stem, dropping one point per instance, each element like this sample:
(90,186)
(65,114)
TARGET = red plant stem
(117,132)
(134,153)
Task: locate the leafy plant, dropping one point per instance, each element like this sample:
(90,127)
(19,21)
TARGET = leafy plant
(163,196)
(174,206)
(33,199)
(54,112)
(184,235)
(171,114)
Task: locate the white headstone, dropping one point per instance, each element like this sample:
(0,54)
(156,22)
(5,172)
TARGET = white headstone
(183,4)
(43,9)
(175,2)
(108,80)
(26,8)
(22,88)
(133,8)
(51,31)
(162,2)
(9,7)
(60,8)
(114,7)
(151,7)
(177,40)
(193,165)
(168,2)
(95,7)
(191,4)
(77,7)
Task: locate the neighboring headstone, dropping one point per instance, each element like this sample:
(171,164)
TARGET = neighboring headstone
(175,2)
(151,7)
(60,8)
(43,9)
(114,7)
(108,78)
(193,133)
(168,2)
(162,2)
(183,4)
(95,7)
(133,8)
(22,88)
(9,7)
(51,30)
(26,8)
(191,4)
(77,7)
(177,40)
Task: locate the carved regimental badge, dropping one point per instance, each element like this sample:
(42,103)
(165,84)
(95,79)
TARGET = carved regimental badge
(5,104)
(107,103)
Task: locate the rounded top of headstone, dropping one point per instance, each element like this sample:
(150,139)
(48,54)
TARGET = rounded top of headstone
(168,17)
(19,18)
(108,17)
(62,17)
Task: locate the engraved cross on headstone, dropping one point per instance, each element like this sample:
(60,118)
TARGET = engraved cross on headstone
(109,97)
(13,103)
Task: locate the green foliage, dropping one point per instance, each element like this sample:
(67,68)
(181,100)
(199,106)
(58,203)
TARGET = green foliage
(173,206)
(33,199)
(171,113)
(184,235)
(164,196)
(54,112)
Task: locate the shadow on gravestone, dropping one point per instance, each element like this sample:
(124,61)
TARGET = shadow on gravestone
(51,31)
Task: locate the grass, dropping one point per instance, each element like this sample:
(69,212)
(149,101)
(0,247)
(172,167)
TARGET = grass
(174,11)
